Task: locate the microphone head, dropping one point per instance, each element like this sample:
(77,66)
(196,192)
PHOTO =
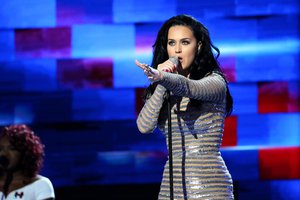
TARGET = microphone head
(174,60)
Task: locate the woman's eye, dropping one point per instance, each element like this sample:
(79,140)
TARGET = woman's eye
(171,43)
(185,42)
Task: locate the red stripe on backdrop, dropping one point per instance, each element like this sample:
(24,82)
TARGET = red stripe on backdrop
(294,96)
(85,73)
(139,102)
(41,43)
(228,64)
(279,163)
(230,132)
(273,97)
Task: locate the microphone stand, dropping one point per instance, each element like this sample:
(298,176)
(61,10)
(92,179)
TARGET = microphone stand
(170,145)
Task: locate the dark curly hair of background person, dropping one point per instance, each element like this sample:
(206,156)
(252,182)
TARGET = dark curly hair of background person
(23,139)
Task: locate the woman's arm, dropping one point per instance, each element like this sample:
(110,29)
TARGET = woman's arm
(210,88)
(147,119)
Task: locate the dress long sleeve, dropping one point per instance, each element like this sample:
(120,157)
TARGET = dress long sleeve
(147,118)
(210,88)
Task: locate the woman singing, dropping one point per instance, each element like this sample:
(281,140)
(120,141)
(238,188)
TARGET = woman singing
(200,102)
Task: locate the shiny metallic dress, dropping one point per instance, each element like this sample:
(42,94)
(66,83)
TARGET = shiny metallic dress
(199,171)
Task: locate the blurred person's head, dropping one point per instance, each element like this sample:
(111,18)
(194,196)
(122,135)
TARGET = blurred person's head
(21,150)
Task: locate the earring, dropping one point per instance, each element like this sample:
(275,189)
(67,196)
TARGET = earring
(199,45)
(199,49)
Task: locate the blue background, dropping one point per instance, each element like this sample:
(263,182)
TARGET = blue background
(67,70)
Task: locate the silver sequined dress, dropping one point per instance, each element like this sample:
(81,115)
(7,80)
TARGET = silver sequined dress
(199,171)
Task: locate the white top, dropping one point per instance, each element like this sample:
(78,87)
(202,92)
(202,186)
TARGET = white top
(38,190)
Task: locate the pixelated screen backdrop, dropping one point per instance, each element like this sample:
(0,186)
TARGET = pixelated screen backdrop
(67,69)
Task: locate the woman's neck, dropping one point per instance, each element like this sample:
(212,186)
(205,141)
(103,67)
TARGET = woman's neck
(14,180)
(185,73)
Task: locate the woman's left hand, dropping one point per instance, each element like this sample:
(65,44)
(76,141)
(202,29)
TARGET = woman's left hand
(152,74)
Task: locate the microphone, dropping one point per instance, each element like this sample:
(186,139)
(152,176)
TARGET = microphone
(174,60)
(153,74)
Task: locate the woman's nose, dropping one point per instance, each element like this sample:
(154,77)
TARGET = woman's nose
(177,48)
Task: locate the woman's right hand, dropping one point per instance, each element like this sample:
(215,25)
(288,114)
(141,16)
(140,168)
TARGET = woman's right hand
(167,66)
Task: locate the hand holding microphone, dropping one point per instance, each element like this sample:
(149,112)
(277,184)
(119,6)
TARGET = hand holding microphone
(169,65)
(154,75)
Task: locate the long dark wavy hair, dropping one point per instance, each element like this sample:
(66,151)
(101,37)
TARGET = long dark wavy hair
(23,139)
(205,61)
